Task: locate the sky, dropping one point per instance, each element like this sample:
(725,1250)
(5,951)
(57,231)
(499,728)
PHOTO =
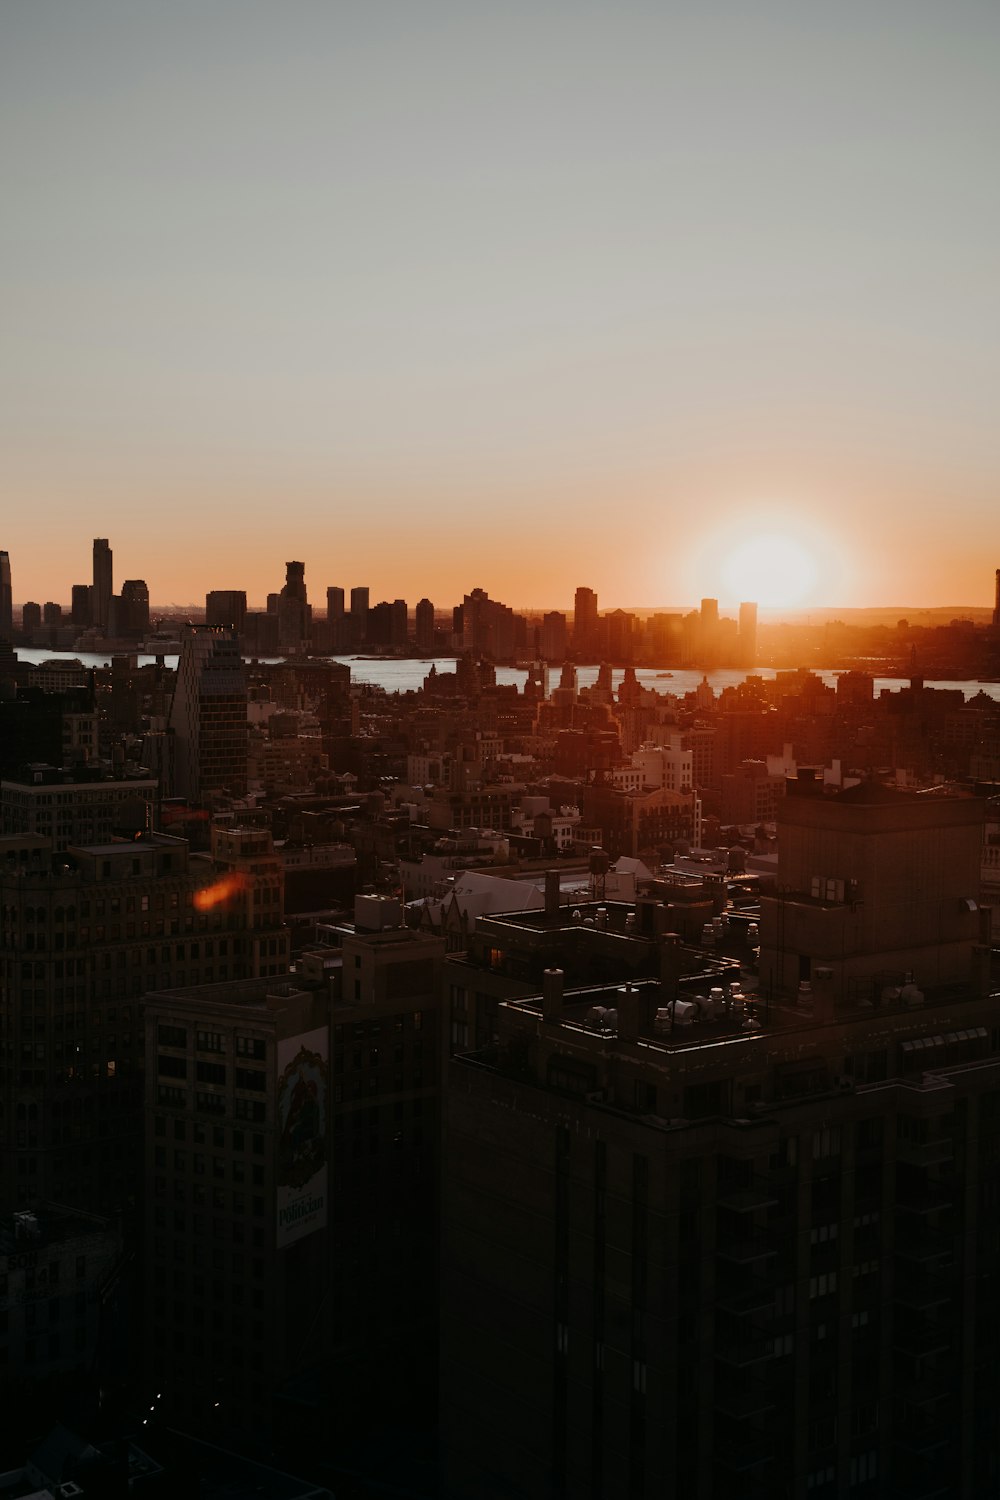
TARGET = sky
(520,296)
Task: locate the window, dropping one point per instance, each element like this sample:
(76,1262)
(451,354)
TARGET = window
(210,1104)
(823,1285)
(171,1036)
(864,1466)
(206,1072)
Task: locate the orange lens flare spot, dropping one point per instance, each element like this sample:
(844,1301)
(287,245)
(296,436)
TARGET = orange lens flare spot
(222,890)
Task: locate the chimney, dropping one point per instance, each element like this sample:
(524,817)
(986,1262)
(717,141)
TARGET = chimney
(629,1013)
(551,893)
(670,966)
(552,995)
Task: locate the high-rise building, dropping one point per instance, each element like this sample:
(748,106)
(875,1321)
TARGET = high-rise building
(748,635)
(334,603)
(226,609)
(6,599)
(584,621)
(294,614)
(489,628)
(133,610)
(695,1243)
(552,641)
(208,716)
(80,609)
(424,625)
(359,615)
(399,623)
(103,583)
(31,616)
(996,602)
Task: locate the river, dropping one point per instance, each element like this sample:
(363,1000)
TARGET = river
(401,675)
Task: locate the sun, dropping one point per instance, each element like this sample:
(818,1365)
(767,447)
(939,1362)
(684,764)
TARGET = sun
(772,568)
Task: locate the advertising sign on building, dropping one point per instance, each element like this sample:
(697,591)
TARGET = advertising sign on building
(303,1063)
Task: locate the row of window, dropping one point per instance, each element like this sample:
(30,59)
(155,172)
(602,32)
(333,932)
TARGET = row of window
(203,1135)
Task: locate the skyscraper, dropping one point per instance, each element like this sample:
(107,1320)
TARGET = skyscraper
(133,613)
(294,614)
(996,605)
(103,582)
(80,610)
(359,613)
(424,623)
(748,635)
(6,599)
(226,609)
(208,716)
(584,620)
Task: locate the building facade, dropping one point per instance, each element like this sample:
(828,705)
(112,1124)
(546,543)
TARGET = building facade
(208,716)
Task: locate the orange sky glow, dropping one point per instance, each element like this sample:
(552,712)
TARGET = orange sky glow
(513,297)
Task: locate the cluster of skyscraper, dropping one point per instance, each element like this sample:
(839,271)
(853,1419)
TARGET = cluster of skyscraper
(95,606)
(479,624)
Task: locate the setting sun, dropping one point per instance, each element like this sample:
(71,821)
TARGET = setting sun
(773,569)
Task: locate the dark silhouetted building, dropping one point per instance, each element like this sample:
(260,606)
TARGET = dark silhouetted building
(424,625)
(105,924)
(80,608)
(359,615)
(697,1243)
(208,716)
(6,599)
(226,609)
(584,621)
(103,583)
(294,614)
(748,635)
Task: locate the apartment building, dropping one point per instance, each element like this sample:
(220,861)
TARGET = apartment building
(84,934)
(719,1242)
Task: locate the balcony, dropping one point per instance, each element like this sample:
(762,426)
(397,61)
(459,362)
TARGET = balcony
(741,1405)
(921,1337)
(746,1250)
(926,1247)
(930,1153)
(747,1198)
(923,1290)
(742,1353)
(750,1453)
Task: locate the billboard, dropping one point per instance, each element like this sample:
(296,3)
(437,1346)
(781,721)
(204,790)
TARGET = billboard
(302,1095)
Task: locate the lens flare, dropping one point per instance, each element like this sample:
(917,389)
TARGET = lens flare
(222,890)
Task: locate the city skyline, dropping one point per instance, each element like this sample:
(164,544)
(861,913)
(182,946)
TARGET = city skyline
(424,290)
(743,572)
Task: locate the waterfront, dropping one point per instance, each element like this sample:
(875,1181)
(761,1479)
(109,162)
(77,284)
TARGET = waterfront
(406,674)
